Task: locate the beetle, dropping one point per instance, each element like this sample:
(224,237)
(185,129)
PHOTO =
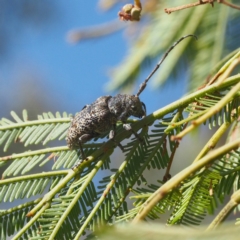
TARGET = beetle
(103,114)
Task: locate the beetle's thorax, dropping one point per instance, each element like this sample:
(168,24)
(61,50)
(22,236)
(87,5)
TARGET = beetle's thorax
(123,106)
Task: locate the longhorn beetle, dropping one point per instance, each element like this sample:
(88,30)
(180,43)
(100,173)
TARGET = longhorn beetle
(103,114)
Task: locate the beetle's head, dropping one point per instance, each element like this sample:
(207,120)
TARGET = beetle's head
(136,107)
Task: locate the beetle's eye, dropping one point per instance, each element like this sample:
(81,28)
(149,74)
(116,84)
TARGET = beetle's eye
(144,107)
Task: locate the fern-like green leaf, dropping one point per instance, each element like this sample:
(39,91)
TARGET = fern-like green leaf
(47,128)
(19,188)
(13,219)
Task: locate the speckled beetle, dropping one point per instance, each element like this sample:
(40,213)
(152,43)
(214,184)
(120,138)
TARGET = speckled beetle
(103,114)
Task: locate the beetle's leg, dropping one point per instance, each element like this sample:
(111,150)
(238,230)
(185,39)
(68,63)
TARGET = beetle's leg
(84,138)
(81,150)
(112,135)
(128,127)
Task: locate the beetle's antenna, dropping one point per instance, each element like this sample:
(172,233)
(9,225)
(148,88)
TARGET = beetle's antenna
(144,84)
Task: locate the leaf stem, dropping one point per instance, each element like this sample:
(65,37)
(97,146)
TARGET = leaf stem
(36,122)
(43,151)
(33,176)
(21,206)
(186,100)
(33,153)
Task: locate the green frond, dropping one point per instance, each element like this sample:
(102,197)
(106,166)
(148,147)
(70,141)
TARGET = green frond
(195,199)
(14,219)
(51,216)
(77,201)
(62,157)
(229,168)
(200,193)
(141,194)
(28,186)
(47,128)
(203,105)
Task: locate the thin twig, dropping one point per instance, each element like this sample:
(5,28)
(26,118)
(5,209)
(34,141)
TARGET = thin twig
(229,4)
(167,174)
(200,2)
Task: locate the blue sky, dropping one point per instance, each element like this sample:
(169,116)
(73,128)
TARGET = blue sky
(42,65)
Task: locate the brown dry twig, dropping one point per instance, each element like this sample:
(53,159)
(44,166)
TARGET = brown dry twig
(200,2)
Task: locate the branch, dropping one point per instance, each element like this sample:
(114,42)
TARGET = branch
(200,2)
